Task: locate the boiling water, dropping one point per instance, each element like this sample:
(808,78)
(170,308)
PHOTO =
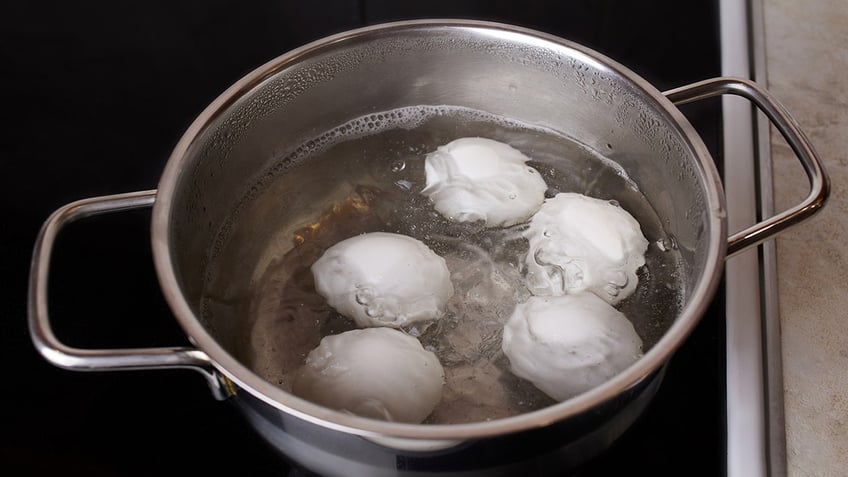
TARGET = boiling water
(366,176)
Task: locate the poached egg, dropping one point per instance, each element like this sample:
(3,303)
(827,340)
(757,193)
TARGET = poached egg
(381,373)
(383,279)
(477,179)
(568,344)
(580,243)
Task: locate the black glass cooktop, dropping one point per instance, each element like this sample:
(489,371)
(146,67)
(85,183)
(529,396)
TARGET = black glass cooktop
(95,96)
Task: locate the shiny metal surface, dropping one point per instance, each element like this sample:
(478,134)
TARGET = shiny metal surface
(775,433)
(549,450)
(77,359)
(783,121)
(755,432)
(745,443)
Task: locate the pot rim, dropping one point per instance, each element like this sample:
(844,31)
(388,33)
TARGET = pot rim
(276,397)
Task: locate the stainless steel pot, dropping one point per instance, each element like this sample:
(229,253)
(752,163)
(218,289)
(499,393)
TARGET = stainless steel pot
(506,70)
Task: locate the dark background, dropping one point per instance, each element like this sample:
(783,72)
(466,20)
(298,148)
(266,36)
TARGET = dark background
(95,94)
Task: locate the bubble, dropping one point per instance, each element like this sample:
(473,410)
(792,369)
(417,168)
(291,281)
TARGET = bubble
(363,298)
(666,244)
(611,289)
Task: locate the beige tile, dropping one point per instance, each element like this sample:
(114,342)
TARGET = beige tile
(807,61)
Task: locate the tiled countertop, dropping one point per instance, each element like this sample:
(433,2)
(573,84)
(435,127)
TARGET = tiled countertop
(807,63)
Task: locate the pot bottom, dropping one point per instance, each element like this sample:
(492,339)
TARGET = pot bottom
(553,450)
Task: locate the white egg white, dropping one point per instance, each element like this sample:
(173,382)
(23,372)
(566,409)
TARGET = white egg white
(477,179)
(381,373)
(580,243)
(383,279)
(566,345)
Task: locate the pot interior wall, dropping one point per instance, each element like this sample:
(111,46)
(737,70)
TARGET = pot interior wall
(254,139)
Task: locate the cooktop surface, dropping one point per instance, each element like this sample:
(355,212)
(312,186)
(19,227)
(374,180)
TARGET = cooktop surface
(96,95)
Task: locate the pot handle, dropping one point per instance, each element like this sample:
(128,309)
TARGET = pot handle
(783,121)
(78,359)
